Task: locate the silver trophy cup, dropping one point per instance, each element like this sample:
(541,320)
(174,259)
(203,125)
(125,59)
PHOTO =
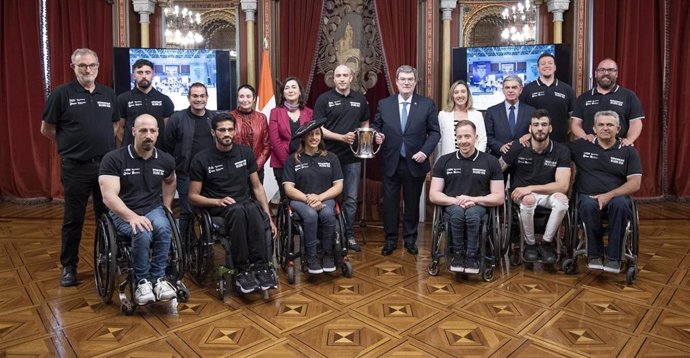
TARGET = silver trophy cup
(365,143)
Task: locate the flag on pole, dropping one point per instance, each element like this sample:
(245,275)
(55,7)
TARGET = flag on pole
(265,102)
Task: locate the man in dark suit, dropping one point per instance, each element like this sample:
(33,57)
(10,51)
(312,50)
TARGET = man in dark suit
(408,132)
(508,120)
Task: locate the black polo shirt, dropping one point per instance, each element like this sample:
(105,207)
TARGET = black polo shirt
(140,179)
(558,99)
(134,103)
(224,173)
(532,168)
(601,170)
(83,119)
(344,113)
(312,174)
(468,176)
(620,100)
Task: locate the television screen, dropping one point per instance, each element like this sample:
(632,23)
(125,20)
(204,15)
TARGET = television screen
(175,70)
(483,68)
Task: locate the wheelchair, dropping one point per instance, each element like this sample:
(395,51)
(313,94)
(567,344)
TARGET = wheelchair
(111,256)
(541,217)
(290,226)
(490,243)
(630,247)
(202,232)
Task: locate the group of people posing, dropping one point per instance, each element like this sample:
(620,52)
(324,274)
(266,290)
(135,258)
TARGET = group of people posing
(215,160)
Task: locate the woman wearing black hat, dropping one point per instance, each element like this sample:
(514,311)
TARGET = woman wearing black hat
(312,178)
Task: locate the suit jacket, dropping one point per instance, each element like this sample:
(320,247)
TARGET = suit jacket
(497,128)
(421,133)
(280,133)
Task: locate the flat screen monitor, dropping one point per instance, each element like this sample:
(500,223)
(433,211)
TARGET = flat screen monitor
(483,68)
(176,69)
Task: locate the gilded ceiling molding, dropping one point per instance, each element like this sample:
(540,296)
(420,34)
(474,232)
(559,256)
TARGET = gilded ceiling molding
(476,13)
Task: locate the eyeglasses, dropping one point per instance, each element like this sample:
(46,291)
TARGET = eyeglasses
(84,66)
(607,70)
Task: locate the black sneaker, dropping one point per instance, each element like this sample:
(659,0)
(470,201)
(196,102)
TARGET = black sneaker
(69,276)
(458,263)
(530,254)
(547,253)
(314,265)
(246,282)
(266,278)
(472,264)
(354,246)
(328,262)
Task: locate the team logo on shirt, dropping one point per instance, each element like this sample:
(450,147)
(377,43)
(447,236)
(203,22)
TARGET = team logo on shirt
(537,94)
(479,171)
(214,168)
(131,104)
(241,163)
(615,160)
(355,104)
(324,165)
(76,101)
(451,171)
(301,166)
(158,171)
(592,102)
(337,102)
(103,104)
(616,103)
(157,103)
(590,155)
(558,94)
(131,171)
(550,163)
(524,160)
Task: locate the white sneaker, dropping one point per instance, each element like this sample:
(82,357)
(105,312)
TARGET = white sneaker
(164,290)
(144,293)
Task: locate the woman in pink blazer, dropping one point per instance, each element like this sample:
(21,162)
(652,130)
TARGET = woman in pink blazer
(283,122)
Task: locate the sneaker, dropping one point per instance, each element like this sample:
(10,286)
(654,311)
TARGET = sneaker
(314,265)
(266,278)
(354,246)
(69,276)
(164,290)
(458,264)
(246,282)
(144,293)
(612,266)
(547,253)
(472,264)
(530,254)
(595,263)
(328,263)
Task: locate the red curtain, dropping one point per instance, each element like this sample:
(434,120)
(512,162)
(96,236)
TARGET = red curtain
(397,21)
(631,32)
(299,29)
(678,98)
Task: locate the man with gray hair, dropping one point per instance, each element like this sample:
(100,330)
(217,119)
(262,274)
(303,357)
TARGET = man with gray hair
(608,172)
(508,120)
(82,118)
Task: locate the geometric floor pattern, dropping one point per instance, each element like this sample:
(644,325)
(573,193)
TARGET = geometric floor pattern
(391,307)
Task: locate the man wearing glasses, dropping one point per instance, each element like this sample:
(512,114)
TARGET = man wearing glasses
(608,95)
(81,117)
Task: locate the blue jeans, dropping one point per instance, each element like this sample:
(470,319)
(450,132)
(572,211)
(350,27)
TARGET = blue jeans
(310,224)
(183,201)
(351,177)
(618,211)
(465,225)
(158,240)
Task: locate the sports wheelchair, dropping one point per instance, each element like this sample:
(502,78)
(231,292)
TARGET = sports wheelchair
(490,242)
(202,232)
(290,226)
(111,257)
(630,246)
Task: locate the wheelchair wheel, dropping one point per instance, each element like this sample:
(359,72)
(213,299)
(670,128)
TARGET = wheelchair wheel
(182,294)
(128,307)
(291,274)
(631,275)
(569,266)
(432,269)
(221,287)
(284,232)
(105,259)
(347,269)
(175,268)
(200,247)
(488,274)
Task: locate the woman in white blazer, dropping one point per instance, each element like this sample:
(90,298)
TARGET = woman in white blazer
(458,107)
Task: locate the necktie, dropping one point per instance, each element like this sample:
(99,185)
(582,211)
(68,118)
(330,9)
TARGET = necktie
(511,120)
(403,122)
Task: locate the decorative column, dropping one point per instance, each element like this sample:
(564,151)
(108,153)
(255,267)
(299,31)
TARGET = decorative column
(558,7)
(144,8)
(249,8)
(447,7)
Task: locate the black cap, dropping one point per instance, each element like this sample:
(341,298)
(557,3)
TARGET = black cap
(309,126)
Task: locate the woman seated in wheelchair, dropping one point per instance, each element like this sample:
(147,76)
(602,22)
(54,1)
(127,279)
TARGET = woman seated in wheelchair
(466,183)
(312,178)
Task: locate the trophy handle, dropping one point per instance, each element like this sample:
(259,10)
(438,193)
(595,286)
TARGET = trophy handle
(356,136)
(379,148)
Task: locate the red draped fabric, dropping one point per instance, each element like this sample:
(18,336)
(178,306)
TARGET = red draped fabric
(631,32)
(397,21)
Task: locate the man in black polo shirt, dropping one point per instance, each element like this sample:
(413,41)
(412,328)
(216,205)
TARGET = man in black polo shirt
(219,177)
(607,174)
(81,116)
(607,95)
(133,179)
(465,183)
(143,98)
(346,110)
(541,177)
(555,96)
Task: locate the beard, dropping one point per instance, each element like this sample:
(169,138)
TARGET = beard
(147,145)
(606,82)
(144,83)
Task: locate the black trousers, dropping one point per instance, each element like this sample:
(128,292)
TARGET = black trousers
(411,190)
(245,225)
(79,180)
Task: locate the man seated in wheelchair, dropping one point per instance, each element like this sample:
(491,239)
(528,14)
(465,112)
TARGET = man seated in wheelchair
(136,182)
(608,172)
(541,176)
(466,183)
(220,179)
(312,178)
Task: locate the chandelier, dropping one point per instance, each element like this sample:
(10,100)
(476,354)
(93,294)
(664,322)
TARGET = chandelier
(182,28)
(521,23)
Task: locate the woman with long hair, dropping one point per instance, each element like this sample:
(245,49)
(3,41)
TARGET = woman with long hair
(458,107)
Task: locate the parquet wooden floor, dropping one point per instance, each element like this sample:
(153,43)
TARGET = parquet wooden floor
(389,308)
